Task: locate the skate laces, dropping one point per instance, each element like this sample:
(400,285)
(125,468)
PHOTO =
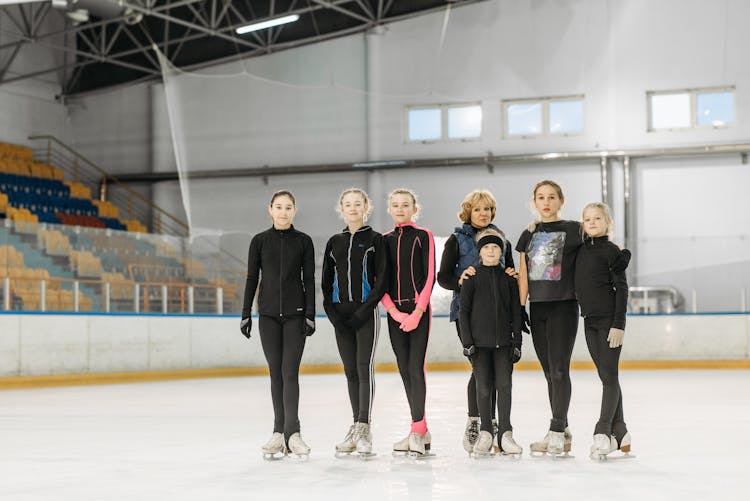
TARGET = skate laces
(472,432)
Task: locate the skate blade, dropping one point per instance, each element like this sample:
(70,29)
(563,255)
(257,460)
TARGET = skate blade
(510,456)
(273,456)
(415,456)
(603,458)
(550,455)
(298,458)
(481,456)
(362,456)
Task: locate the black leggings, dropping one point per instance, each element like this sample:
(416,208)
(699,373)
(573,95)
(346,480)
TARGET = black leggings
(283,341)
(606,359)
(471,388)
(357,350)
(411,349)
(493,368)
(553,330)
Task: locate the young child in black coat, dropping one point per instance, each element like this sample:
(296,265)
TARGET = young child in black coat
(602,291)
(490,321)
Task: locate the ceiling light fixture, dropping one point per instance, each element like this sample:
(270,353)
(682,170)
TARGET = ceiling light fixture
(266,24)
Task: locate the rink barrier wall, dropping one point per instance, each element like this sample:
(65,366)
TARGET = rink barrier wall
(62,349)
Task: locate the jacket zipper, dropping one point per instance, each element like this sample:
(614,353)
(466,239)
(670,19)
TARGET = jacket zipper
(281,264)
(398,264)
(349,266)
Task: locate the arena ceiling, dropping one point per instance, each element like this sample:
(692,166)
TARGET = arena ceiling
(113,38)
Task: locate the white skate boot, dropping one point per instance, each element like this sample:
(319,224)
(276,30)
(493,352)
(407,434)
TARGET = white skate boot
(298,447)
(401,448)
(483,445)
(541,448)
(364,440)
(471,433)
(416,444)
(602,446)
(508,446)
(624,447)
(274,448)
(348,445)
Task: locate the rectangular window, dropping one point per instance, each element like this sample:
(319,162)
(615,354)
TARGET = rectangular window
(691,108)
(464,122)
(715,108)
(425,124)
(546,116)
(566,117)
(444,122)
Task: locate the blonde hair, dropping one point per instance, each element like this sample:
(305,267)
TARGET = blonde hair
(534,211)
(474,198)
(406,191)
(360,192)
(607,212)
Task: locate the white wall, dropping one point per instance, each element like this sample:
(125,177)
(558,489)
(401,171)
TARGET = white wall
(35,345)
(29,106)
(612,52)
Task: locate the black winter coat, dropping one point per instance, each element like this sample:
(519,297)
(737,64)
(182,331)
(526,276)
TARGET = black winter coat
(600,282)
(287,287)
(490,309)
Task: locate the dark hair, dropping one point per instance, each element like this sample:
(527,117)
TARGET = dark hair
(283,193)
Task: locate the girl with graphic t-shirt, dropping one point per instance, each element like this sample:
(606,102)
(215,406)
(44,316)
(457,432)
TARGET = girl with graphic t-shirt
(548,249)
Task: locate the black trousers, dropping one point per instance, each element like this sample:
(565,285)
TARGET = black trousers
(607,360)
(553,330)
(283,342)
(357,350)
(410,349)
(471,388)
(493,369)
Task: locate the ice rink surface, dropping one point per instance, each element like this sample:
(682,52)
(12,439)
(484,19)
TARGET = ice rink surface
(200,440)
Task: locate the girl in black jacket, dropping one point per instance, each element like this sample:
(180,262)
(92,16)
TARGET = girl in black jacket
(411,264)
(602,291)
(354,280)
(286,309)
(490,319)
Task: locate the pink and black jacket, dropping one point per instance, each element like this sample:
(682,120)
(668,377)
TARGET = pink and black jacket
(411,264)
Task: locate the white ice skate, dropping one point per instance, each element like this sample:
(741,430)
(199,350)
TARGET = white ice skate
(602,446)
(402,448)
(624,447)
(298,447)
(364,441)
(275,448)
(483,446)
(471,433)
(509,447)
(348,446)
(541,448)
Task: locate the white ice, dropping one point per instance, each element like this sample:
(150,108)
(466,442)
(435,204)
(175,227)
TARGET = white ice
(200,439)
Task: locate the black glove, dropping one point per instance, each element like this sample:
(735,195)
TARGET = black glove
(469,352)
(309,327)
(525,322)
(246,325)
(515,354)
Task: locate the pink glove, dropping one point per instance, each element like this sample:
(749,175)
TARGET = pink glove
(398,316)
(412,321)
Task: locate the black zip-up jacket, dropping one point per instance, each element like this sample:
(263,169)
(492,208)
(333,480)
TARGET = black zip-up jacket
(354,271)
(600,282)
(287,259)
(490,309)
(411,267)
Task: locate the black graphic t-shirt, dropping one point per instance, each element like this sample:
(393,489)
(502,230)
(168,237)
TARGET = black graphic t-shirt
(550,259)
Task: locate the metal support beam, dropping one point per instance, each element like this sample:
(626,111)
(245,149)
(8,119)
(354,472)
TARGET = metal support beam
(331,5)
